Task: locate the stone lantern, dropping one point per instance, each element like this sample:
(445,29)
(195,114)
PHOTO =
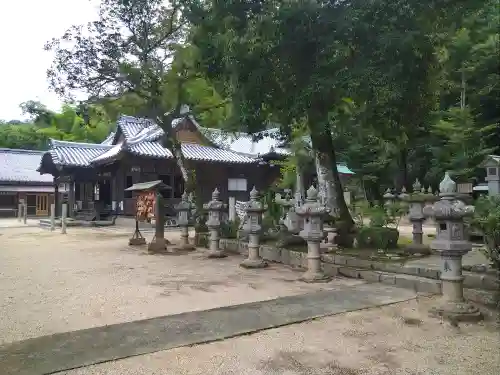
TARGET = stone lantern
(215,209)
(417,200)
(388,196)
(184,209)
(313,213)
(254,210)
(452,244)
(289,223)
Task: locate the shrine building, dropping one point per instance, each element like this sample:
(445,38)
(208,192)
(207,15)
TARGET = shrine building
(95,176)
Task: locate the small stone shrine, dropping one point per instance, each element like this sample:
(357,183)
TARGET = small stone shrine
(215,210)
(452,244)
(254,210)
(313,213)
(184,209)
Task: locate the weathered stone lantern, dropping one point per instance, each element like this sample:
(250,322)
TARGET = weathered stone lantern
(184,209)
(254,210)
(389,197)
(215,209)
(417,200)
(452,244)
(289,223)
(313,213)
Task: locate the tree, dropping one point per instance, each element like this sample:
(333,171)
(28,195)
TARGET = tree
(296,61)
(134,55)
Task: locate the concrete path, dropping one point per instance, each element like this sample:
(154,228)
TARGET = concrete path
(59,352)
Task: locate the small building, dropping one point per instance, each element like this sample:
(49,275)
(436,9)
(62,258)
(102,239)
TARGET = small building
(96,175)
(492,166)
(20,182)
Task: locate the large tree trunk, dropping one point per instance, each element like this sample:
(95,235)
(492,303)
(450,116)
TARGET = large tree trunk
(322,144)
(326,183)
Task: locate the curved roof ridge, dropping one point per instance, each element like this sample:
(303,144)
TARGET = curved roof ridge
(58,143)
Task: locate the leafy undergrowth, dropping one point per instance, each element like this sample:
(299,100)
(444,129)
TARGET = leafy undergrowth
(394,255)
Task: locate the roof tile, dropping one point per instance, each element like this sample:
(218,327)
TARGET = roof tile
(21,165)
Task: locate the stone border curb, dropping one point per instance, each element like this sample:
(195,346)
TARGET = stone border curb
(479,288)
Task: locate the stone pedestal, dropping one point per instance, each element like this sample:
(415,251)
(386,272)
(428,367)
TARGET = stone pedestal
(254,210)
(417,200)
(215,208)
(64,215)
(183,209)
(313,214)
(19,212)
(452,244)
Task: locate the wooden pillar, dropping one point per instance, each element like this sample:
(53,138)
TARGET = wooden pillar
(71,198)
(56,197)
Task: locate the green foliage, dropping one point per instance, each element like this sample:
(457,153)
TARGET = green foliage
(65,125)
(230,229)
(375,237)
(487,220)
(273,210)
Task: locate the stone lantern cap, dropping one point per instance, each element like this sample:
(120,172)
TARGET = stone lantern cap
(312,207)
(285,202)
(254,205)
(420,194)
(388,194)
(215,204)
(448,207)
(185,204)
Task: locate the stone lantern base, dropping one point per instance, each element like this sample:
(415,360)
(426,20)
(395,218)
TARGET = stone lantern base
(184,247)
(184,244)
(216,254)
(414,248)
(315,277)
(456,311)
(254,263)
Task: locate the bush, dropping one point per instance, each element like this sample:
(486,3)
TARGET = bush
(487,220)
(201,240)
(377,238)
(229,229)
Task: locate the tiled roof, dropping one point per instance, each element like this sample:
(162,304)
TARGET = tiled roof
(109,139)
(142,136)
(258,144)
(75,153)
(204,153)
(21,165)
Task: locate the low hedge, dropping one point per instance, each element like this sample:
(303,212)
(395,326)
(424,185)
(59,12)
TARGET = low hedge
(377,238)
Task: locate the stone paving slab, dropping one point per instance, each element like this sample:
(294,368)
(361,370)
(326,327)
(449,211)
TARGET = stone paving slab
(59,352)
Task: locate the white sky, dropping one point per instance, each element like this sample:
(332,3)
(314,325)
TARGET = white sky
(25,27)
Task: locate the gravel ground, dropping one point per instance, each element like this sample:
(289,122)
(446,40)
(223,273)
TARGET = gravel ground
(398,339)
(53,283)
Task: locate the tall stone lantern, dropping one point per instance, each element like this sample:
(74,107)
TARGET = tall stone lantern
(184,209)
(254,210)
(215,209)
(417,200)
(313,213)
(452,244)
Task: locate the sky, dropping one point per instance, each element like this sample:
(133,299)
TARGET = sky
(25,27)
